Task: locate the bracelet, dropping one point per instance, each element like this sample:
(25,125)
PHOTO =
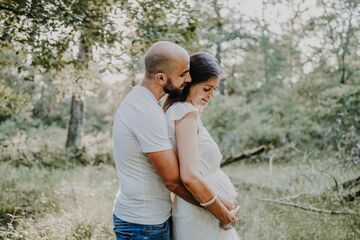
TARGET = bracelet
(209,202)
(227,226)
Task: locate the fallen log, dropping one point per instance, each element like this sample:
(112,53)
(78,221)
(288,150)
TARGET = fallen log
(244,155)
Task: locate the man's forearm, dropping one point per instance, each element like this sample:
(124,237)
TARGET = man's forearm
(166,164)
(180,190)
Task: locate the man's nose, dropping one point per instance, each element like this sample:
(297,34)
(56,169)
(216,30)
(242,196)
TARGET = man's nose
(188,78)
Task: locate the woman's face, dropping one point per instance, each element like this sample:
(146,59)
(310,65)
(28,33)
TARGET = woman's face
(200,94)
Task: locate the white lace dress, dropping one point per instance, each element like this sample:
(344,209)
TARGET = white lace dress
(189,221)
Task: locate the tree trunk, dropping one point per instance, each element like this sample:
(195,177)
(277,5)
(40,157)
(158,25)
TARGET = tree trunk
(219,29)
(264,42)
(75,123)
(345,47)
(218,57)
(77,104)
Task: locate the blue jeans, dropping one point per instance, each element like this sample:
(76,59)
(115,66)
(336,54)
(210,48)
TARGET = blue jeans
(132,231)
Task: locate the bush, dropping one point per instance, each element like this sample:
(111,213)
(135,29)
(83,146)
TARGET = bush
(297,119)
(343,118)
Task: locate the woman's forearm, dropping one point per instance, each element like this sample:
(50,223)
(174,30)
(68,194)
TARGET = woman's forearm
(203,193)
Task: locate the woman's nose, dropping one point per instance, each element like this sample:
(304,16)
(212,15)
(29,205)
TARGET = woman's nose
(211,93)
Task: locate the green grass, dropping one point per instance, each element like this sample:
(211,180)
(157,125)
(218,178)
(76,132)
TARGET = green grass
(77,203)
(65,204)
(267,220)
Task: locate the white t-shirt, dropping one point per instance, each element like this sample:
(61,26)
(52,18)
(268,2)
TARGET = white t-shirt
(140,127)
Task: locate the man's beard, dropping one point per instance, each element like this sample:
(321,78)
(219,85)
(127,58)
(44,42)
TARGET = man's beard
(171,90)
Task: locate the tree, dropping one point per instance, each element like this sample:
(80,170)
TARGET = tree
(64,37)
(169,20)
(49,30)
(222,33)
(338,32)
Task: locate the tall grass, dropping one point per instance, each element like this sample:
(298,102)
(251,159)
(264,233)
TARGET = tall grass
(306,184)
(57,204)
(43,203)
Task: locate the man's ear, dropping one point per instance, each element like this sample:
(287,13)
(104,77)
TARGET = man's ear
(160,78)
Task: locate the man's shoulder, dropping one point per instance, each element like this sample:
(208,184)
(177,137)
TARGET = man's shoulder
(139,95)
(138,104)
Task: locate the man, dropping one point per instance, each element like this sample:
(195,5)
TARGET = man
(145,161)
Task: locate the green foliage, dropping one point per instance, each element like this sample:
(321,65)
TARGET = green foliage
(99,116)
(343,119)
(10,102)
(27,142)
(10,127)
(339,38)
(310,120)
(49,110)
(152,21)
(28,24)
(296,119)
(171,20)
(15,87)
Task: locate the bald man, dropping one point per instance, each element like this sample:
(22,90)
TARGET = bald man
(145,161)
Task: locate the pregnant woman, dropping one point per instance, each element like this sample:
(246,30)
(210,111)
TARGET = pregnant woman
(199,158)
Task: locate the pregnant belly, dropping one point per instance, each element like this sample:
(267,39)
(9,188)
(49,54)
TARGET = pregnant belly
(220,183)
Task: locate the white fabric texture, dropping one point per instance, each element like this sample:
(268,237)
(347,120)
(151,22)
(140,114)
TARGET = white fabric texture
(189,221)
(140,127)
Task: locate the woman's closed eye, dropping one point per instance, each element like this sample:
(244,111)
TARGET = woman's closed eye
(208,89)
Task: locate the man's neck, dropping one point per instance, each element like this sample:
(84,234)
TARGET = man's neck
(153,87)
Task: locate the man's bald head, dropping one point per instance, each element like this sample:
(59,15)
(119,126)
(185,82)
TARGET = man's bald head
(162,56)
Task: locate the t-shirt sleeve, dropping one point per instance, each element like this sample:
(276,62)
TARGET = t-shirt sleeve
(151,132)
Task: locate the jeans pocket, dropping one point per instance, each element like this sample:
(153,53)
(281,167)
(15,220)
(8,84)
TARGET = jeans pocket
(159,226)
(123,231)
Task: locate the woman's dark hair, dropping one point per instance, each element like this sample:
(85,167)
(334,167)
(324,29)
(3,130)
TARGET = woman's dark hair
(203,66)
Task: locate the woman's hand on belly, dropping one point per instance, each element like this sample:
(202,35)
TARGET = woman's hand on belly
(230,205)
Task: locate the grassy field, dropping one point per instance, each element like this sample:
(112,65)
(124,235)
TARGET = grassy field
(58,204)
(305,185)
(38,203)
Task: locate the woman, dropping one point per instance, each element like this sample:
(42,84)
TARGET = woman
(199,159)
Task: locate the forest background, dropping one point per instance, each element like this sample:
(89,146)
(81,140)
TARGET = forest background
(287,111)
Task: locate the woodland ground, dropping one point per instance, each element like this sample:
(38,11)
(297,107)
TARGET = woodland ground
(76,203)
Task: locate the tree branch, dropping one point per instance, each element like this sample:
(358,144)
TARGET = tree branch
(309,208)
(16,12)
(244,155)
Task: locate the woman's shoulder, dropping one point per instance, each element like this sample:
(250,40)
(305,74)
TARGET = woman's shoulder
(183,106)
(178,110)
